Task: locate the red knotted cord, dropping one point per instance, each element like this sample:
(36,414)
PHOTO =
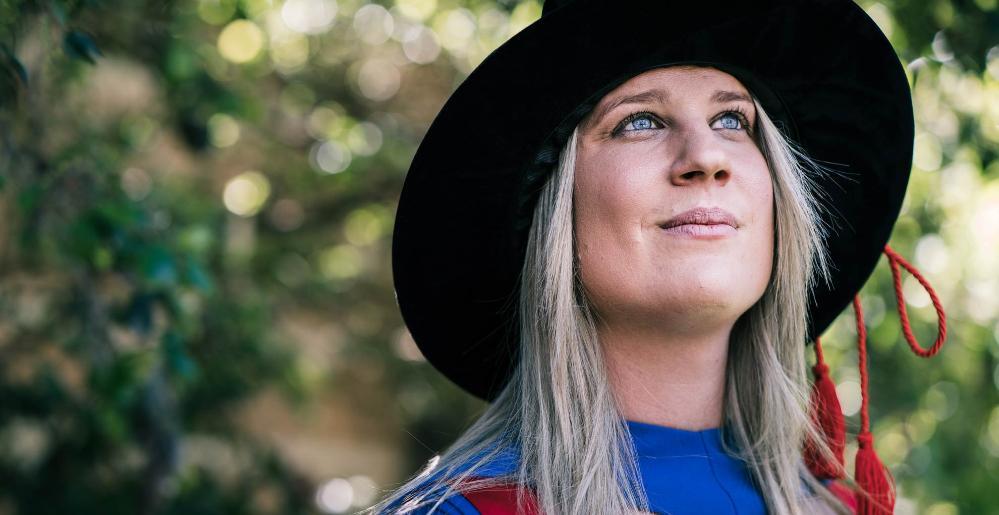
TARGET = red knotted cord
(895,259)
(862,363)
(871,475)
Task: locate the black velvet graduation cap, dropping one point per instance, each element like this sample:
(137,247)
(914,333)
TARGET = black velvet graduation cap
(822,69)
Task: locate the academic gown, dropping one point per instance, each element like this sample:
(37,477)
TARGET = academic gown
(683,472)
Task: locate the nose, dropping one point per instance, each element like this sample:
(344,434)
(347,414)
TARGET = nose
(700,160)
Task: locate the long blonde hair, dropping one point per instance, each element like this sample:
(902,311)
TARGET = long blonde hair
(558,412)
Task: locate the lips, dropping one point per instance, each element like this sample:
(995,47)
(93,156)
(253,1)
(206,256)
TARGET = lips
(702,216)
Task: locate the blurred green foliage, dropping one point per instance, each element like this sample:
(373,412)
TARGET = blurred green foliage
(175,177)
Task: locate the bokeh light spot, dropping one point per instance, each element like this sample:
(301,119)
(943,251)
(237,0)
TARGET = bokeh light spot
(365,490)
(373,24)
(216,12)
(942,399)
(327,121)
(246,193)
(378,79)
(363,227)
(523,15)
(290,53)
(882,17)
(419,44)
(417,9)
(932,255)
(335,496)
(330,156)
(915,294)
(309,16)
(849,397)
(364,139)
(921,425)
(455,29)
(928,155)
(340,262)
(223,130)
(892,447)
(241,41)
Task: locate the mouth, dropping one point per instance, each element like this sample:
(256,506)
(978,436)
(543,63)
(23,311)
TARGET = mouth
(702,216)
(702,223)
(701,231)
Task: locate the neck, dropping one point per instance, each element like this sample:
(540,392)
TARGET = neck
(665,379)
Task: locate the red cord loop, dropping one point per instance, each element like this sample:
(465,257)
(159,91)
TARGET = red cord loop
(894,259)
(870,473)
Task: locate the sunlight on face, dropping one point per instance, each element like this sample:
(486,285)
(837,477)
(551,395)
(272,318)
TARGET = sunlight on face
(664,142)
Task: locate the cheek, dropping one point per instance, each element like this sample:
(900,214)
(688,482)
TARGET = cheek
(758,189)
(608,204)
(760,195)
(607,191)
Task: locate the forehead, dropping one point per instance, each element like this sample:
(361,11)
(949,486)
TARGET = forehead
(679,77)
(667,84)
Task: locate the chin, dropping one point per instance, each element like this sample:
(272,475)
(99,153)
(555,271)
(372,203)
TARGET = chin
(721,295)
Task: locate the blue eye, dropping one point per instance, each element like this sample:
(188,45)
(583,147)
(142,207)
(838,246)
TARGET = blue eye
(738,117)
(641,121)
(644,120)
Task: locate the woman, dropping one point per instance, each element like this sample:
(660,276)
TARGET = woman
(617,237)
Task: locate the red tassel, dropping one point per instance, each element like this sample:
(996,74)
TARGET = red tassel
(874,478)
(828,415)
(871,475)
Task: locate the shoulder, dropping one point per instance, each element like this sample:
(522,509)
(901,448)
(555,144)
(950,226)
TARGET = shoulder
(492,500)
(462,499)
(421,501)
(502,500)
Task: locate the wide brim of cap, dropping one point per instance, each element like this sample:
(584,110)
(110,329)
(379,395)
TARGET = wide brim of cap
(822,68)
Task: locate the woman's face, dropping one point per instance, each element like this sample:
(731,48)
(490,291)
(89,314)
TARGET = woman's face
(678,144)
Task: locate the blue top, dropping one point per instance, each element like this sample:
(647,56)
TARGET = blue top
(683,472)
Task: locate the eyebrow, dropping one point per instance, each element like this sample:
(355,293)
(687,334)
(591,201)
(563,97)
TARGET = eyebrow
(662,96)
